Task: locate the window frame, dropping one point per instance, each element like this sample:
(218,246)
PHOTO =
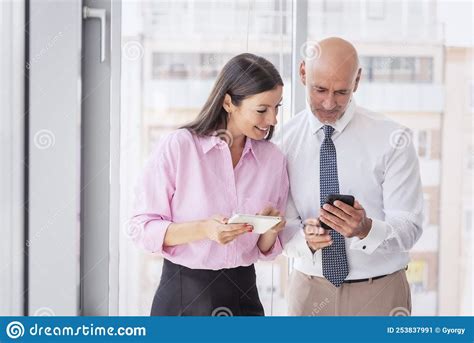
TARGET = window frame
(12,173)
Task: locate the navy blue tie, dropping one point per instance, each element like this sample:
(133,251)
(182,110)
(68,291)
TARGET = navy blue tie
(334,258)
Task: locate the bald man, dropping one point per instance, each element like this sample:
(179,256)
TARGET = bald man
(356,264)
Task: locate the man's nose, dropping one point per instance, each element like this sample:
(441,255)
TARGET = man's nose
(329,103)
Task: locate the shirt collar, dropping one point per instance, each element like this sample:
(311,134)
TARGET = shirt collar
(211,141)
(339,125)
(250,146)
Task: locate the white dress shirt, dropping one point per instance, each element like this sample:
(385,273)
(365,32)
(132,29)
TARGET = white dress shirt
(378,165)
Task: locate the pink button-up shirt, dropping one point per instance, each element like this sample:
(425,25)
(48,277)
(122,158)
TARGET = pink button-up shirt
(190,177)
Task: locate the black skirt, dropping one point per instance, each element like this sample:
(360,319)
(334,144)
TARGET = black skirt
(201,292)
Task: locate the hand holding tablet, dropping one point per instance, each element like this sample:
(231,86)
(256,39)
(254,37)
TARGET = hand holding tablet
(261,224)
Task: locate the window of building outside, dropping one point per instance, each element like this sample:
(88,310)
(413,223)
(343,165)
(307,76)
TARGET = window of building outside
(422,142)
(375,9)
(397,69)
(335,6)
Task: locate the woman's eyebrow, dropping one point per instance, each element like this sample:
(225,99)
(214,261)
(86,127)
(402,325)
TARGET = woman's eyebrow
(271,105)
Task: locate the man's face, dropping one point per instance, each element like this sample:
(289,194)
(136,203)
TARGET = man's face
(329,90)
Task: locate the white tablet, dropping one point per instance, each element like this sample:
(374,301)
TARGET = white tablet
(261,224)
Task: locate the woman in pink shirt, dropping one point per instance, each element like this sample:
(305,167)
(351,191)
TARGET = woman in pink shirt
(197,177)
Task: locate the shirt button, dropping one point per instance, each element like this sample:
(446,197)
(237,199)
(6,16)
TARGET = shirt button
(364,247)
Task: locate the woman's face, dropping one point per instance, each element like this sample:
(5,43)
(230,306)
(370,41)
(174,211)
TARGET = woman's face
(255,114)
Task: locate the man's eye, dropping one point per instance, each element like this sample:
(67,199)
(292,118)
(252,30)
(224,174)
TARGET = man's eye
(261,111)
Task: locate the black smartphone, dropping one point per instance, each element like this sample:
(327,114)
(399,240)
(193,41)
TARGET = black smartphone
(346,199)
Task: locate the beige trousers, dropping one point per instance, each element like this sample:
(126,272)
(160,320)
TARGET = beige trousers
(316,296)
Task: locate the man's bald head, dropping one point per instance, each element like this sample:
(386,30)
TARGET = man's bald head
(330,75)
(335,55)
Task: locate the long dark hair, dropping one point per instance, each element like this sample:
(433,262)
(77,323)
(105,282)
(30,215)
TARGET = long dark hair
(243,76)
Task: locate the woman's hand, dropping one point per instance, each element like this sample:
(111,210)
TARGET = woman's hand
(219,231)
(273,212)
(267,240)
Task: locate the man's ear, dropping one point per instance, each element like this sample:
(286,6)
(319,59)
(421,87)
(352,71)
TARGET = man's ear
(227,104)
(357,80)
(303,72)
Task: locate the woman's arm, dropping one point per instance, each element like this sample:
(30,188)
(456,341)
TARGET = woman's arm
(182,233)
(215,229)
(268,239)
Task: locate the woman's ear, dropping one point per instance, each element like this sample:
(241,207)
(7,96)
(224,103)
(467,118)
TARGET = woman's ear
(227,103)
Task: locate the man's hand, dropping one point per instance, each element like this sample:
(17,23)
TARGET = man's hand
(316,237)
(347,220)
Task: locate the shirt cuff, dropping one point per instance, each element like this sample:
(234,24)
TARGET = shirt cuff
(152,237)
(377,234)
(270,255)
(297,247)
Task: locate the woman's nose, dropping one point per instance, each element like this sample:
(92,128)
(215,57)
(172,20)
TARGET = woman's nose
(272,118)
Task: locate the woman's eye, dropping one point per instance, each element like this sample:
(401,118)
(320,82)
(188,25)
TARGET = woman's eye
(261,111)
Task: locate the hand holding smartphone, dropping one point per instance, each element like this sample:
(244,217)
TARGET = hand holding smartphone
(331,198)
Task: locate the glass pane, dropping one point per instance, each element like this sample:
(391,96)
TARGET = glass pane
(172,53)
(424,69)
(382,67)
(400,60)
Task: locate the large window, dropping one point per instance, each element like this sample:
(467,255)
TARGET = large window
(72,110)
(173,51)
